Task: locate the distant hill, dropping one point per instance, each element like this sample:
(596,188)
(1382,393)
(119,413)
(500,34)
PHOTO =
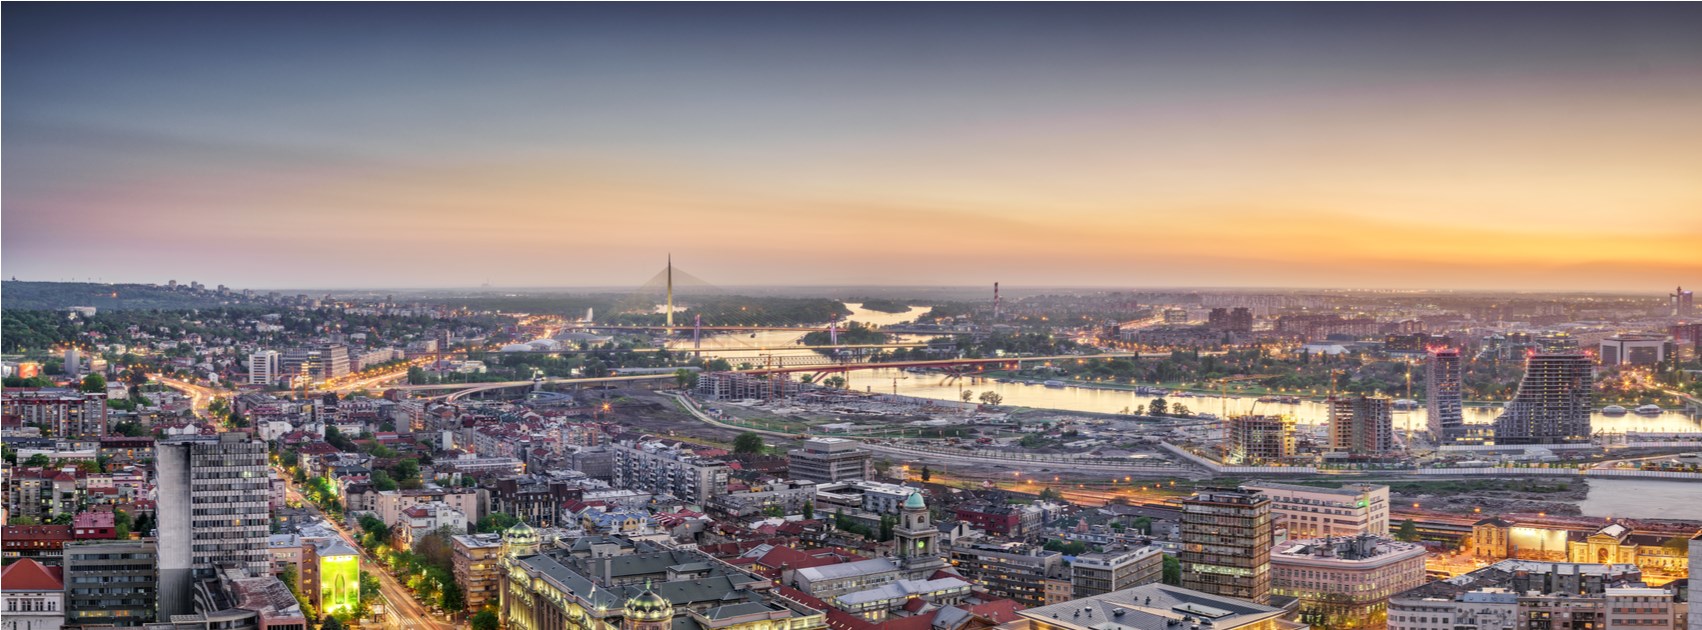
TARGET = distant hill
(53,296)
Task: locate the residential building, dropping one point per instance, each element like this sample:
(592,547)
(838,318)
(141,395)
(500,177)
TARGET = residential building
(1314,512)
(110,583)
(1632,607)
(1258,439)
(34,596)
(1444,402)
(1114,570)
(1226,544)
(1014,570)
(1156,607)
(286,552)
(1362,425)
(788,497)
(419,520)
(1346,582)
(213,508)
(1517,595)
(669,468)
(1553,404)
(829,460)
(60,413)
(476,565)
(388,505)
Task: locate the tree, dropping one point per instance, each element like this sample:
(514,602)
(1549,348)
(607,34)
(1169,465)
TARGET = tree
(967,395)
(382,482)
(486,620)
(888,521)
(809,510)
(991,398)
(1172,570)
(748,443)
(94,384)
(836,382)
(453,600)
(1158,407)
(497,522)
(1408,531)
(927,474)
(685,379)
(37,460)
(331,623)
(405,470)
(121,524)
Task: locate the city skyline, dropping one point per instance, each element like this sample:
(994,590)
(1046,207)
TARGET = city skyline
(1450,147)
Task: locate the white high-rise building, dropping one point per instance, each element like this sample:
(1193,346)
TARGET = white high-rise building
(73,362)
(263,367)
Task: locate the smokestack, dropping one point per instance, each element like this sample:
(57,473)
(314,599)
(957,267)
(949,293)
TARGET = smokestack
(995,301)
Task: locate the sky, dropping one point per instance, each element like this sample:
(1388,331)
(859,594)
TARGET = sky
(1477,146)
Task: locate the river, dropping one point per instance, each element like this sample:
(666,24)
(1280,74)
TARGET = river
(1038,396)
(1640,498)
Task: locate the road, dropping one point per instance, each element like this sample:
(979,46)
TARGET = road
(400,601)
(199,396)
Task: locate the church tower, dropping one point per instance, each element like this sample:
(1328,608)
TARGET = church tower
(918,539)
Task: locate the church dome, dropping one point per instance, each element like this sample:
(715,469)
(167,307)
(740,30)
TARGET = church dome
(914,502)
(520,535)
(648,606)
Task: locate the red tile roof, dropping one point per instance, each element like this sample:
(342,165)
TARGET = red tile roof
(1000,610)
(29,575)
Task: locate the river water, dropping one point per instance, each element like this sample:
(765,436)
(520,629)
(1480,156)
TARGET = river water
(1640,498)
(1038,396)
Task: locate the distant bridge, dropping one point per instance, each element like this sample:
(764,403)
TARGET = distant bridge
(851,346)
(805,363)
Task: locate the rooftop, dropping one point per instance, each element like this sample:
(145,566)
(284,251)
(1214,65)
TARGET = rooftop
(29,575)
(1154,607)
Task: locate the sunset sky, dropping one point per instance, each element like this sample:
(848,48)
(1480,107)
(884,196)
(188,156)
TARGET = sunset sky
(1526,146)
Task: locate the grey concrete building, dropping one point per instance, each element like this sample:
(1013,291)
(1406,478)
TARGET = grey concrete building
(110,582)
(214,495)
(829,460)
(1100,573)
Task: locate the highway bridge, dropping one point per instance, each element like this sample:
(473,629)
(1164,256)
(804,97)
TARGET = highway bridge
(848,346)
(815,365)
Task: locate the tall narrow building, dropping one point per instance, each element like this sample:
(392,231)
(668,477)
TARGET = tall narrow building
(1226,544)
(213,508)
(1362,425)
(264,367)
(1444,394)
(1553,403)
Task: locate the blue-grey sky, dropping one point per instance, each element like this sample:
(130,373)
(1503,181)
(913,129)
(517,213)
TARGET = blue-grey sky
(400,144)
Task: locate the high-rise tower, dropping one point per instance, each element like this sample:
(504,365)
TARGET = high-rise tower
(1553,403)
(1226,544)
(1443,400)
(214,502)
(1361,425)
